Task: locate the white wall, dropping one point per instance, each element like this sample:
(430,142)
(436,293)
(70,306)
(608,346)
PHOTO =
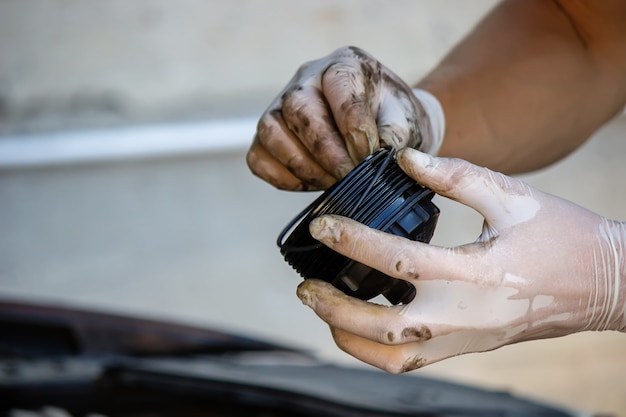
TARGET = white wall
(69,63)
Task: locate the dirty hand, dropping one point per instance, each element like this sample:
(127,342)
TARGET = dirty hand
(542,267)
(332,114)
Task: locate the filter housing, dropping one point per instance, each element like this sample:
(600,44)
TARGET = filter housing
(378,194)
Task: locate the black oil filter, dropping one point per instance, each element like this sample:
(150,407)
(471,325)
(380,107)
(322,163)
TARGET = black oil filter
(378,194)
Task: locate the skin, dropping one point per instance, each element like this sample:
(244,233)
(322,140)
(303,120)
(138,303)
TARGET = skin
(531,83)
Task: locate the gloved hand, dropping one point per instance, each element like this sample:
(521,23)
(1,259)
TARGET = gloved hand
(542,267)
(335,112)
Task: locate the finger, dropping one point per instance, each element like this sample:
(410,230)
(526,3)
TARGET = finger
(349,91)
(397,121)
(388,337)
(270,170)
(503,201)
(306,114)
(409,356)
(379,323)
(274,136)
(396,359)
(392,255)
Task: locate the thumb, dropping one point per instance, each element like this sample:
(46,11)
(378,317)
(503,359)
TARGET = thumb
(503,201)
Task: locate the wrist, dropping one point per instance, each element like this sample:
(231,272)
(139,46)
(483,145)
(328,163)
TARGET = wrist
(610,273)
(435,129)
(620,240)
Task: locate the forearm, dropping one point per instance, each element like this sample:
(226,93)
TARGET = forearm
(532,82)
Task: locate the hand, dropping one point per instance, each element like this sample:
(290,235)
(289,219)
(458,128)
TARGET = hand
(542,267)
(335,112)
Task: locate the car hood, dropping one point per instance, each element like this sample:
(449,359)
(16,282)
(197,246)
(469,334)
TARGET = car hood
(94,362)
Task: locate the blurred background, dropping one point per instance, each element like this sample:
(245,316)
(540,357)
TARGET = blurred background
(123,185)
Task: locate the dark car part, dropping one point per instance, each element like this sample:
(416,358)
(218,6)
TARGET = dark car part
(88,363)
(378,194)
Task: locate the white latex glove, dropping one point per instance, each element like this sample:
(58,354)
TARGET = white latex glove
(333,113)
(542,267)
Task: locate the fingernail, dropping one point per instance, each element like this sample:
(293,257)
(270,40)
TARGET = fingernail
(324,229)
